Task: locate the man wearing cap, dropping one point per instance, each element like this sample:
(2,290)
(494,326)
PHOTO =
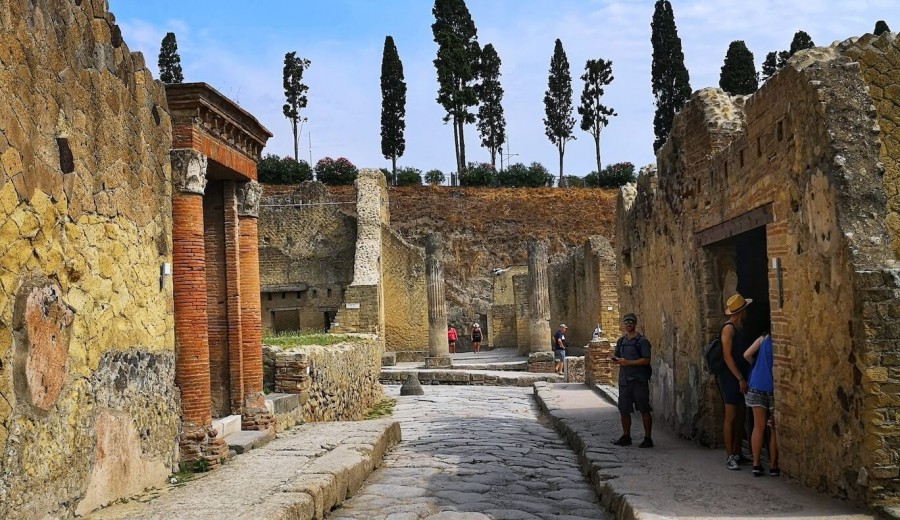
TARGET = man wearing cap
(559,347)
(732,379)
(632,354)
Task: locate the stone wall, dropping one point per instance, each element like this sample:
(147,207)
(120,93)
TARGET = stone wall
(405,300)
(342,383)
(794,170)
(583,292)
(89,409)
(503,319)
(306,245)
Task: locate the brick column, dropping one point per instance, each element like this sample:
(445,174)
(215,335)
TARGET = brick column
(255,416)
(189,288)
(598,366)
(234,320)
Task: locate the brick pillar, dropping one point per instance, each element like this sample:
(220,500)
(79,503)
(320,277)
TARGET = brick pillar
(189,288)
(438,348)
(598,366)
(233,274)
(255,416)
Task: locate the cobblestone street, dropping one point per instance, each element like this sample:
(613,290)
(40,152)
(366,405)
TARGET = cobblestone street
(474,452)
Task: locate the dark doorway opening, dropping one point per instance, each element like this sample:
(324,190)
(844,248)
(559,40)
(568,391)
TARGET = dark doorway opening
(752,267)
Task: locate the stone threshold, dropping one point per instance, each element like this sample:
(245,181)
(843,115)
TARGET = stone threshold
(302,475)
(467,377)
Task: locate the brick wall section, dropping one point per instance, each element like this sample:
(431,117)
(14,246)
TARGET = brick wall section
(217,298)
(234,318)
(598,368)
(186,133)
(189,288)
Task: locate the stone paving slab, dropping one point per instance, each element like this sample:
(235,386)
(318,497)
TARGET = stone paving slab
(675,479)
(397,375)
(474,453)
(299,476)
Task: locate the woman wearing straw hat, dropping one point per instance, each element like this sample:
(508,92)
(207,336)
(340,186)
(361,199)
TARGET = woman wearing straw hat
(732,379)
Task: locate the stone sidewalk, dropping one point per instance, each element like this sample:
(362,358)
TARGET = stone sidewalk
(301,475)
(675,479)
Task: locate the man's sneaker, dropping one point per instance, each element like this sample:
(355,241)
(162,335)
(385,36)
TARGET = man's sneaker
(623,441)
(757,471)
(775,472)
(646,443)
(732,463)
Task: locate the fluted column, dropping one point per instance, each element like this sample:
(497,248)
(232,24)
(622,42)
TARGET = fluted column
(438,348)
(538,297)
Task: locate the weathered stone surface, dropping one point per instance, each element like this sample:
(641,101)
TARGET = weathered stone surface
(188,170)
(411,386)
(539,337)
(809,163)
(85,187)
(248,195)
(342,379)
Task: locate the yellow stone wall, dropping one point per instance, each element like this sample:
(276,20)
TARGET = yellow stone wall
(85,217)
(405,298)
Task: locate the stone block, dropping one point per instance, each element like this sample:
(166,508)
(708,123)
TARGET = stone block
(389,359)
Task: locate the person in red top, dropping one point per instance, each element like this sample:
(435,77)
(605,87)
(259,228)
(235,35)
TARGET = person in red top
(451,338)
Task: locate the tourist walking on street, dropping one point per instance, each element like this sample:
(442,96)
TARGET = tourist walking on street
(732,380)
(632,354)
(760,398)
(559,348)
(477,337)
(451,338)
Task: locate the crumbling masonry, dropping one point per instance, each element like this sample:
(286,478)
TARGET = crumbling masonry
(789,196)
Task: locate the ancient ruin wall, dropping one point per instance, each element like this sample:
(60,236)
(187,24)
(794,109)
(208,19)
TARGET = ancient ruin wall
(89,408)
(806,144)
(405,300)
(307,247)
(502,319)
(583,293)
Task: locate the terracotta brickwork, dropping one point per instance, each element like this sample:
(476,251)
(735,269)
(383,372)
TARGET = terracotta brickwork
(583,292)
(790,188)
(217,302)
(598,366)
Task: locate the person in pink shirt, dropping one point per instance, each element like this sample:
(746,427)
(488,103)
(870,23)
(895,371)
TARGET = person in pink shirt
(451,338)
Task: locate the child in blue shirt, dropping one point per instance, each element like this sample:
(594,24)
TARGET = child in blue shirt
(760,398)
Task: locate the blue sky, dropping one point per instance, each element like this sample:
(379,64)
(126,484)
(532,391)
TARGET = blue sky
(239,47)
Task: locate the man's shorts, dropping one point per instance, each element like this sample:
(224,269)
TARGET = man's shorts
(559,354)
(760,399)
(634,395)
(730,388)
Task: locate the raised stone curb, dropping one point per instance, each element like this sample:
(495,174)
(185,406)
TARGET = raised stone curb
(300,476)
(466,377)
(675,479)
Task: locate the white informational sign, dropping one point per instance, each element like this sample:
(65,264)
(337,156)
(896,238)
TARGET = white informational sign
(352,305)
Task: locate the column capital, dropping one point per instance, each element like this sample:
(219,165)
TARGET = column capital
(248,195)
(188,170)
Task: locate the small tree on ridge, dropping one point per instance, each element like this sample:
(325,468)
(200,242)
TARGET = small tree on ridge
(295,95)
(393,104)
(670,80)
(594,114)
(169,61)
(491,123)
(738,75)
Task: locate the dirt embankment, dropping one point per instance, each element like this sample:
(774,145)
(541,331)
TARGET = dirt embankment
(487,228)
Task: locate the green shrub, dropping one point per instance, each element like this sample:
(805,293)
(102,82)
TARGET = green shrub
(408,177)
(434,177)
(478,174)
(520,176)
(282,170)
(612,176)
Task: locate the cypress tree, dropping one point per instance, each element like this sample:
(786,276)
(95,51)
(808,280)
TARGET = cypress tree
(491,123)
(457,68)
(739,71)
(881,27)
(393,104)
(169,61)
(669,78)
(558,120)
(594,114)
(776,61)
(770,65)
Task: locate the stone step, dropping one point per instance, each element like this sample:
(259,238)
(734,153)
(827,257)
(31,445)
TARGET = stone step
(468,377)
(226,425)
(514,366)
(282,403)
(244,441)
